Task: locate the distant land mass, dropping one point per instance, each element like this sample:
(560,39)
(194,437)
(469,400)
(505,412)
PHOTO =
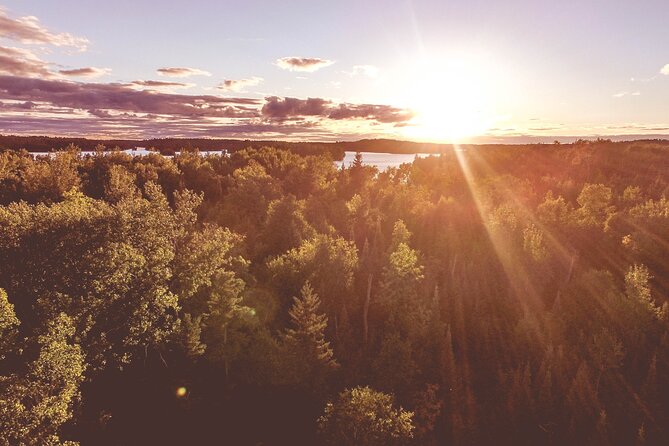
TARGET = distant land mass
(168,146)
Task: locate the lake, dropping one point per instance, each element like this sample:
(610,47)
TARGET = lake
(138,151)
(382,161)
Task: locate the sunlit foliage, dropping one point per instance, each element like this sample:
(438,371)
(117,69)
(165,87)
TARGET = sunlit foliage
(502,295)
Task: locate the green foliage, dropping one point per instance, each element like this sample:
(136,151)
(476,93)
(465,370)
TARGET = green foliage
(554,210)
(401,235)
(402,274)
(362,416)
(400,281)
(311,355)
(504,295)
(50,180)
(8,324)
(34,406)
(632,195)
(326,261)
(248,198)
(286,226)
(637,288)
(534,244)
(595,202)
(394,366)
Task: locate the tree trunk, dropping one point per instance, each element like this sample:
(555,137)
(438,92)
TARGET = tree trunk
(571,267)
(567,279)
(225,343)
(365,324)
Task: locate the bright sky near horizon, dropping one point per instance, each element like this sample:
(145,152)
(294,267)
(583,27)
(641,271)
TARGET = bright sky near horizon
(459,70)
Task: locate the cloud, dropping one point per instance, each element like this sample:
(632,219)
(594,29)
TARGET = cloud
(278,108)
(290,108)
(29,30)
(182,72)
(625,93)
(161,84)
(59,107)
(100,113)
(124,98)
(364,70)
(149,127)
(239,84)
(22,62)
(120,97)
(85,72)
(308,64)
(17,106)
(665,70)
(381,113)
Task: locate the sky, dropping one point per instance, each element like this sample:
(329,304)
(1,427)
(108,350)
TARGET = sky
(428,70)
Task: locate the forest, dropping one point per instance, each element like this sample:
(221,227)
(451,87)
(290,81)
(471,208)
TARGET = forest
(484,295)
(168,146)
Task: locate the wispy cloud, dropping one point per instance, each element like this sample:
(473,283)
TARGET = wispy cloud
(665,70)
(364,70)
(85,72)
(120,97)
(182,72)
(307,64)
(240,84)
(161,84)
(622,94)
(29,30)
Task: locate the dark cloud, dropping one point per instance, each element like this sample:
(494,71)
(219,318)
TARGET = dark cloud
(22,62)
(285,108)
(85,72)
(56,106)
(149,127)
(182,72)
(381,113)
(95,96)
(288,108)
(29,30)
(308,64)
(100,113)
(17,106)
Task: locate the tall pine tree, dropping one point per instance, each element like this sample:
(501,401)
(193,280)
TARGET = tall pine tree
(311,356)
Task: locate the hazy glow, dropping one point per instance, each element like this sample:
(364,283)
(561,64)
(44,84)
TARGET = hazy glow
(451,100)
(471,71)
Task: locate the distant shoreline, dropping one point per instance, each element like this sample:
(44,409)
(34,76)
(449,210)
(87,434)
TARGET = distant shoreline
(337,149)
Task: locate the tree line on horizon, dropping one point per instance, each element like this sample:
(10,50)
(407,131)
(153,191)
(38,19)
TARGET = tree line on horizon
(168,146)
(494,295)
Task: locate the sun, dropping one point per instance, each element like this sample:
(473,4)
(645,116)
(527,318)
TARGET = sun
(451,101)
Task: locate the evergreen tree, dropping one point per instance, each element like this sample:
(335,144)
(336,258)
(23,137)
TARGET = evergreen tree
(312,356)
